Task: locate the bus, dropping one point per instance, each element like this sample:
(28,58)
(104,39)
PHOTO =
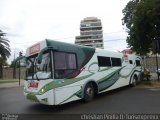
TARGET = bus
(58,72)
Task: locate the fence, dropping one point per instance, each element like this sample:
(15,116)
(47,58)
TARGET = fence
(150,63)
(8,73)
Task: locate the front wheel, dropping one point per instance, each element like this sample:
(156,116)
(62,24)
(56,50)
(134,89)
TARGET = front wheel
(88,92)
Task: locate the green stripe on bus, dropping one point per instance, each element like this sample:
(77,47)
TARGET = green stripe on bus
(54,84)
(125,76)
(32,97)
(109,76)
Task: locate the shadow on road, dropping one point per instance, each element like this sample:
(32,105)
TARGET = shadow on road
(40,108)
(112,92)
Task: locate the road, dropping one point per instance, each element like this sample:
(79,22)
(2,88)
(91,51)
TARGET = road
(124,100)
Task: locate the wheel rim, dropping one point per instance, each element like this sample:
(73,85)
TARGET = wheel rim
(89,92)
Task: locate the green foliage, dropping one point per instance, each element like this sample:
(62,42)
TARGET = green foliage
(12,64)
(8,81)
(3,62)
(4,46)
(4,51)
(142,20)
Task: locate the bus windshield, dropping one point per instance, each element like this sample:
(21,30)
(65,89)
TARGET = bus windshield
(38,71)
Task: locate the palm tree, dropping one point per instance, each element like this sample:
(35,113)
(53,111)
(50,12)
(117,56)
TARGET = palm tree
(4,51)
(4,46)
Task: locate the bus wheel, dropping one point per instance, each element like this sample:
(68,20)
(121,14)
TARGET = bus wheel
(134,81)
(88,92)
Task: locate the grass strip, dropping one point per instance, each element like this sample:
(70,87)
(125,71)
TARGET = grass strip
(8,81)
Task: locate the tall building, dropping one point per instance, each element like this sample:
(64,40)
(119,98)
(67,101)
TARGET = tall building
(91,33)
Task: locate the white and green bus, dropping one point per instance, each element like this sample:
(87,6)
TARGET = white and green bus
(58,73)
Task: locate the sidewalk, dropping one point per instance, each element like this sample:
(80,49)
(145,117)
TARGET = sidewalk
(13,84)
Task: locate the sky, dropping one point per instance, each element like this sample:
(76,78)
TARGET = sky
(27,22)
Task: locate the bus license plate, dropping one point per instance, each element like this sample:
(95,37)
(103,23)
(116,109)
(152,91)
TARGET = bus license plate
(33,85)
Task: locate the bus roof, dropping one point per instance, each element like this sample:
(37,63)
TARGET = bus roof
(83,53)
(56,45)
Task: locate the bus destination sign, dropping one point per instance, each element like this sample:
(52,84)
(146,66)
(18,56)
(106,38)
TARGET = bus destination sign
(34,49)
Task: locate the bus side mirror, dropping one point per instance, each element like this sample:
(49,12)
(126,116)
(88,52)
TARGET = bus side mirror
(39,58)
(39,61)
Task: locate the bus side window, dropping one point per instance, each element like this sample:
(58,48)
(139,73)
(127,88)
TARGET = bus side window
(138,63)
(130,62)
(104,61)
(65,63)
(116,62)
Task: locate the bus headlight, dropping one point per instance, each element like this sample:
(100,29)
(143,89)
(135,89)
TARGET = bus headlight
(42,91)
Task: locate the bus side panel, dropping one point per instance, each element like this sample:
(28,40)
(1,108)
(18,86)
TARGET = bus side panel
(119,83)
(47,98)
(66,94)
(102,74)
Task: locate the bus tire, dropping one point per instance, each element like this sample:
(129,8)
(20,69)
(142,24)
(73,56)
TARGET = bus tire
(134,81)
(89,92)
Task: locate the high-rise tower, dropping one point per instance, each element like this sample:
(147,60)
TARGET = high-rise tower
(91,33)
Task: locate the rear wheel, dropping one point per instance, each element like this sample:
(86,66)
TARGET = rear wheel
(134,81)
(89,92)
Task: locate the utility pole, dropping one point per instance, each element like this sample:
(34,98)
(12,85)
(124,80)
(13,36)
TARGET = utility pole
(157,49)
(14,67)
(157,66)
(20,54)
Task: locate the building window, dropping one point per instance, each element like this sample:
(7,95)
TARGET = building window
(104,61)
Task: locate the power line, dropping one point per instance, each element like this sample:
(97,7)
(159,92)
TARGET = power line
(72,37)
(112,40)
(109,40)
(114,32)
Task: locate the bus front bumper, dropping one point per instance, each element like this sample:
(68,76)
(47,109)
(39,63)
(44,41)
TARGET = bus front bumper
(46,98)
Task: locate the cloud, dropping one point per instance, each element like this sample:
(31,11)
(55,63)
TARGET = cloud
(29,21)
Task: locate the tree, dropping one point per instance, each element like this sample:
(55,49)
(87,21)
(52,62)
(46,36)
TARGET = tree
(141,18)
(4,46)
(4,51)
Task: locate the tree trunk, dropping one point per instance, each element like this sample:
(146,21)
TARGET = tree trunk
(1,71)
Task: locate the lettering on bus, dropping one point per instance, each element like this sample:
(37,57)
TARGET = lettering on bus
(34,49)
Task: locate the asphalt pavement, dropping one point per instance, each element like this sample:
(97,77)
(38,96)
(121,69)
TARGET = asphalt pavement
(12,84)
(123,100)
(126,100)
